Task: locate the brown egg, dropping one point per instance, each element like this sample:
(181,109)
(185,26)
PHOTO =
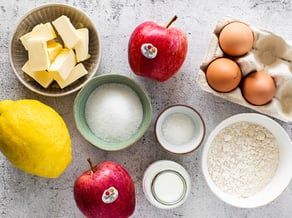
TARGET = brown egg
(223,74)
(258,88)
(236,39)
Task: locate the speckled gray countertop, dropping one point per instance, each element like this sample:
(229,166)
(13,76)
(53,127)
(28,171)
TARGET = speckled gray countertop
(24,195)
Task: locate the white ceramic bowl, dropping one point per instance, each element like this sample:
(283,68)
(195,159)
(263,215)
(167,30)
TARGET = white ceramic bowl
(189,125)
(282,175)
(48,13)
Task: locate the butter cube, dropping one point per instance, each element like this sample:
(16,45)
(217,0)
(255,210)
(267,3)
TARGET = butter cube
(40,31)
(63,63)
(37,54)
(81,48)
(67,31)
(44,78)
(53,48)
(77,72)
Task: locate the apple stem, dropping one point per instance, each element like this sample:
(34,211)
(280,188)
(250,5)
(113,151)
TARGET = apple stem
(91,165)
(171,21)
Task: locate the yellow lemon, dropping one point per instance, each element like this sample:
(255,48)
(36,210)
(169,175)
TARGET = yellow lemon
(34,137)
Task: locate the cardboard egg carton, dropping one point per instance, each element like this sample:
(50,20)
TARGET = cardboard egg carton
(270,53)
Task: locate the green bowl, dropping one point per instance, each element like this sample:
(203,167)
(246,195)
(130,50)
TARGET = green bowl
(80,105)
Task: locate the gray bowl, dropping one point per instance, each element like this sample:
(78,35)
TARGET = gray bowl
(48,13)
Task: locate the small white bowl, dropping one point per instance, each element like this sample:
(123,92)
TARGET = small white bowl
(282,175)
(180,129)
(161,192)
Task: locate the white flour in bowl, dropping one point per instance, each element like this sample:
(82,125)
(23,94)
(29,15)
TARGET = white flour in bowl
(243,159)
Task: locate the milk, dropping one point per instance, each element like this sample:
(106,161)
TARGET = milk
(166,184)
(168,187)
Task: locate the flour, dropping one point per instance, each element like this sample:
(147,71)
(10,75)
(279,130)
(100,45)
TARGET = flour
(243,158)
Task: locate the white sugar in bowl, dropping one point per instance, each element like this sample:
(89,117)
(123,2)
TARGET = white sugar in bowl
(247,159)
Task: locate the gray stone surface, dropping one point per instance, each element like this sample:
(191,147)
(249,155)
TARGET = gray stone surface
(24,195)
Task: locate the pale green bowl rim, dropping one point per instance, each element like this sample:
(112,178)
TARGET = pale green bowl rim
(79,111)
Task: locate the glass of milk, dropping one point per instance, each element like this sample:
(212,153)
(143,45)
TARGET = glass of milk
(166,184)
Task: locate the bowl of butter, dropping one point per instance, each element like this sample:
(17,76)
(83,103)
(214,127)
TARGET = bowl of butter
(54,50)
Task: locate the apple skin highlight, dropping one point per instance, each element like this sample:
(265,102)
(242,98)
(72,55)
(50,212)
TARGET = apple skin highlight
(90,187)
(171,44)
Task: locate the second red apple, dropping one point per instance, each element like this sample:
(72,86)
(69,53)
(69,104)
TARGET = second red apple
(106,190)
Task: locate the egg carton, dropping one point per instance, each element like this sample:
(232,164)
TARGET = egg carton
(269,53)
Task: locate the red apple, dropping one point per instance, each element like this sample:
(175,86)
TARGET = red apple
(106,190)
(156,51)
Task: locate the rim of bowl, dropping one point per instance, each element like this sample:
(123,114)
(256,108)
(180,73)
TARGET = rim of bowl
(201,119)
(83,96)
(14,30)
(229,199)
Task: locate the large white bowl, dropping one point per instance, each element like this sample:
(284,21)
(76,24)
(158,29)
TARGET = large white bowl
(282,176)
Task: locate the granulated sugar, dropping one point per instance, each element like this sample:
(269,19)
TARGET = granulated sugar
(114,112)
(243,159)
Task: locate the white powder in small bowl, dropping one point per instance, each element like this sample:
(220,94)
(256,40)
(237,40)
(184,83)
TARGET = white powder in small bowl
(243,158)
(113,112)
(178,128)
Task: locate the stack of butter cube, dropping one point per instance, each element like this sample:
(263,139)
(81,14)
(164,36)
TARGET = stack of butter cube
(50,60)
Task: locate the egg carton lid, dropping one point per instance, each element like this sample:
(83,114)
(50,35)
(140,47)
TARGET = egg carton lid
(270,53)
